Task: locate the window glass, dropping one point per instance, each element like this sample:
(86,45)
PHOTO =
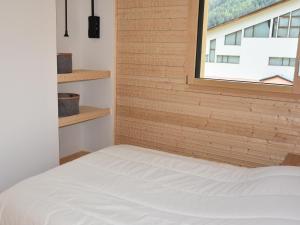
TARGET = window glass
(295,22)
(212,51)
(283,27)
(286,62)
(284,20)
(287,25)
(257,53)
(294,32)
(234,38)
(296,13)
(212,56)
(213,44)
(282,32)
(249,32)
(239,38)
(225,59)
(292,62)
(234,59)
(206,58)
(282,61)
(228,59)
(274,61)
(262,29)
(230,39)
(219,59)
(275,25)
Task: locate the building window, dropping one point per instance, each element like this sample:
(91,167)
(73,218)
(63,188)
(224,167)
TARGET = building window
(206,58)
(212,50)
(283,26)
(228,59)
(275,27)
(261,30)
(295,24)
(281,61)
(234,38)
(287,25)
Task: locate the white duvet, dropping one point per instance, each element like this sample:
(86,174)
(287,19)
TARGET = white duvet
(126,185)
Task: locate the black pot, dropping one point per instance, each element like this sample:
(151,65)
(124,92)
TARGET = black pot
(68,104)
(64,63)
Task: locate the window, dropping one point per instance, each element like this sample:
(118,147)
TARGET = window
(275,27)
(283,26)
(212,51)
(228,59)
(278,61)
(260,30)
(257,56)
(295,24)
(287,25)
(234,38)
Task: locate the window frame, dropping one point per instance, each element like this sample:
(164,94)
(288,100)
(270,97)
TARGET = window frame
(228,57)
(275,24)
(255,26)
(236,43)
(285,27)
(195,61)
(289,27)
(212,49)
(291,23)
(290,60)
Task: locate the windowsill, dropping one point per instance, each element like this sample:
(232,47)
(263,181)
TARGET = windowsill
(244,89)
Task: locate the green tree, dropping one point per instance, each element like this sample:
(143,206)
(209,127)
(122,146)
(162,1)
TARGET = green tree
(221,11)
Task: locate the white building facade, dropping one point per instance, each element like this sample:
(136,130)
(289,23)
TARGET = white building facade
(259,45)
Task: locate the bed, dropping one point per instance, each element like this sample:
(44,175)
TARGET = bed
(127,185)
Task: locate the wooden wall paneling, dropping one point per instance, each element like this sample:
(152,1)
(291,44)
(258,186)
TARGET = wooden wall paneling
(175,49)
(226,112)
(187,144)
(155,109)
(125,4)
(147,59)
(238,129)
(152,36)
(201,141)
(175,24)
(153,13)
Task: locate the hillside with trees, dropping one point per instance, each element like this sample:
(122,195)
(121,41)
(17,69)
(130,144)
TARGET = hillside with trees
(221,11)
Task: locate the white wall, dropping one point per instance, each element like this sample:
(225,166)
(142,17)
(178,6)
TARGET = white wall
(28,117)
(254,52)
(89,54)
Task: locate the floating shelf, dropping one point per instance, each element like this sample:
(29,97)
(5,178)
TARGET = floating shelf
(82,75)
(86,113)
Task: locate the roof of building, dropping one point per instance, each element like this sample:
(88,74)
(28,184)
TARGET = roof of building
(275,76)
(249,14)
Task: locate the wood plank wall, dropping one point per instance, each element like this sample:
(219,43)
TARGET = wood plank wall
(156,110)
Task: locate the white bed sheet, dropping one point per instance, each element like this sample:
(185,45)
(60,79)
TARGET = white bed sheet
(126,185)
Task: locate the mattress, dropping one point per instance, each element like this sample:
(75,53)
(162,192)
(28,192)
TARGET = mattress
(126,185)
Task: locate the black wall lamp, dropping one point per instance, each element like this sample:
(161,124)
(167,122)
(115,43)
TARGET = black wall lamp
(66,19)
(94,23)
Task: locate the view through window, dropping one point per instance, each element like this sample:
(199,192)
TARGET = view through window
(252,40)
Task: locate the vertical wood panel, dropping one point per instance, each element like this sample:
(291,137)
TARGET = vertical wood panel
(156,110)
